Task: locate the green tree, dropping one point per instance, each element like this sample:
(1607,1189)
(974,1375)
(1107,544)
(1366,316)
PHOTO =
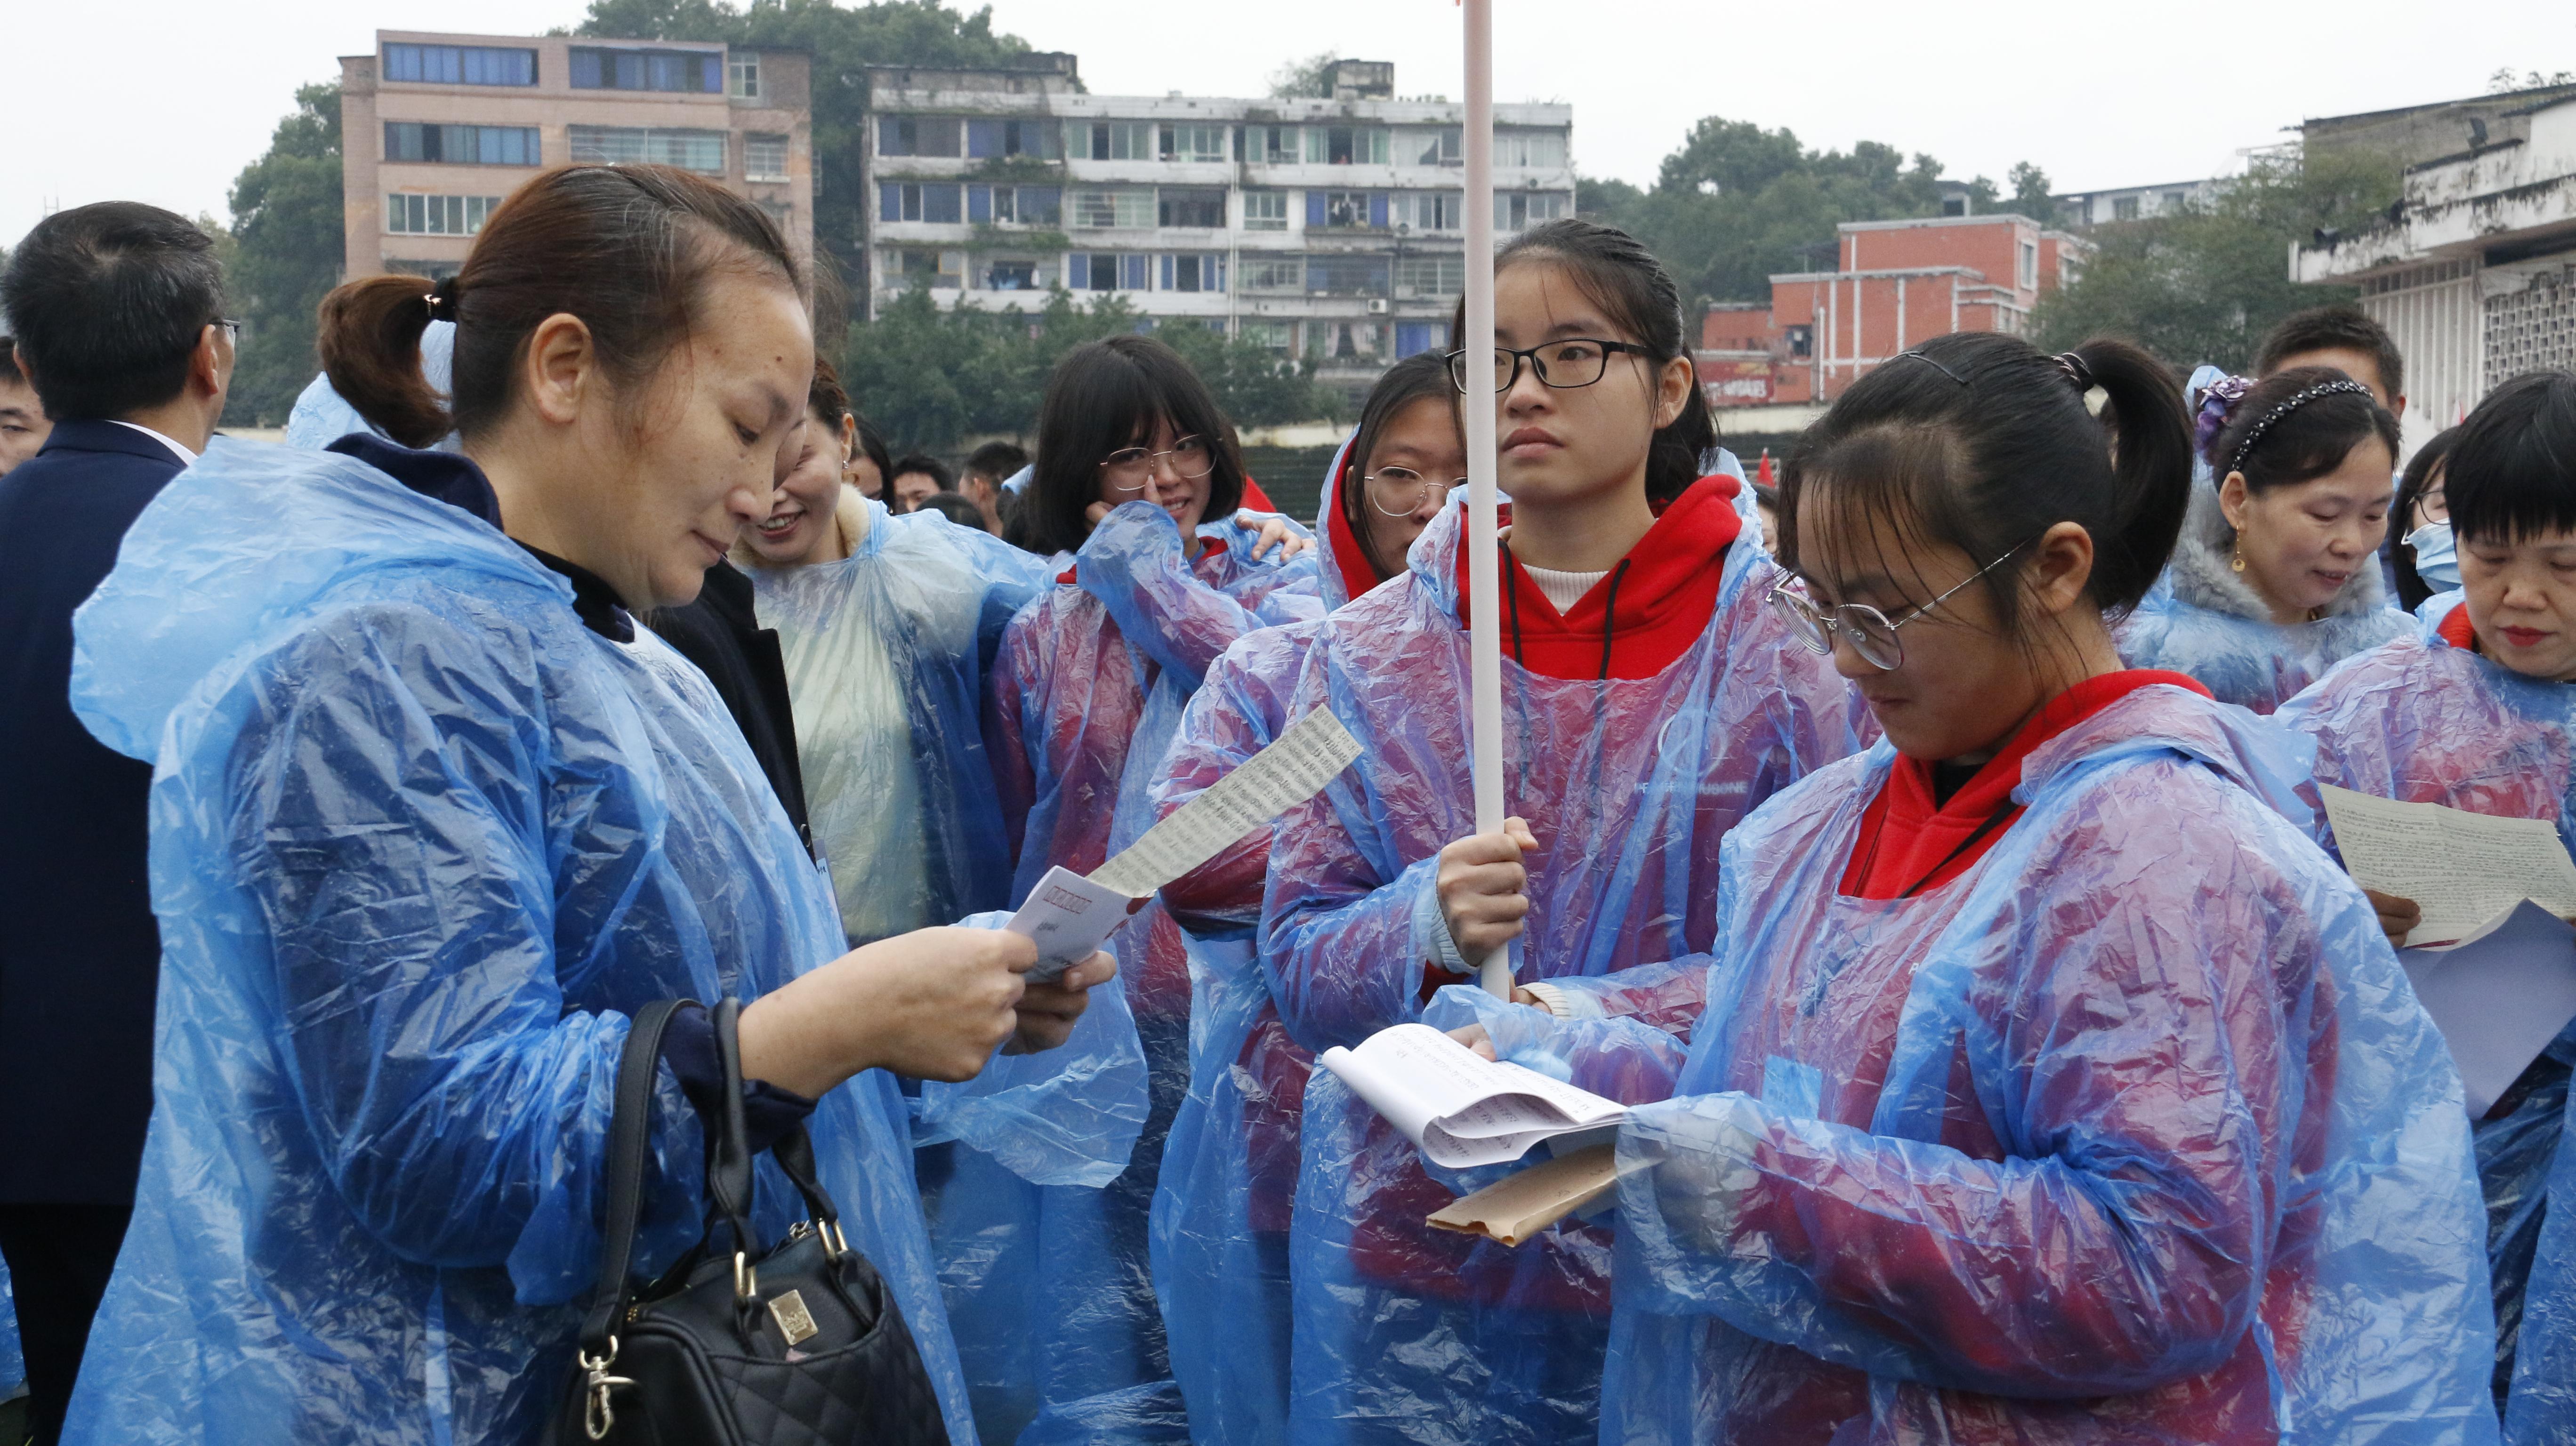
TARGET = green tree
(844,41)
(2205,283)
(1303,79)
(2030,196)
(286,251)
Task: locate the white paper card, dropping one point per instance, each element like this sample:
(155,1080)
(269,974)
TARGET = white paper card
(2466,871)
(2499,999)
(1269,783)
(1464,1110)
(1070,916)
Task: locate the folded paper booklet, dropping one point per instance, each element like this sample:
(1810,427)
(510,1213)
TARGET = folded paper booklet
(1463,1109)
(1070,915)
(1518,1207)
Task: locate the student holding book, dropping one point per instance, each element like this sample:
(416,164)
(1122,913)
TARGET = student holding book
(2276,575)
(2476,713)
(1651,698)
(2053,1085)
(1220,1241)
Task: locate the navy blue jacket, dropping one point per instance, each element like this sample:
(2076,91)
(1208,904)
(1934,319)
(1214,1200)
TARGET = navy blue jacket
(80,955)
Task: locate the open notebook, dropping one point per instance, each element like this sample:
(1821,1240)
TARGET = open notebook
(1463,1109)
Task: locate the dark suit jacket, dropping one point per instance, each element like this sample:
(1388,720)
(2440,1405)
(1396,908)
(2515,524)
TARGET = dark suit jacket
(80,955)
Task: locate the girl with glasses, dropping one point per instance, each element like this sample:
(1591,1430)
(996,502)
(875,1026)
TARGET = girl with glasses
(1651,698)
(2276,577)
(2053,1085)
(1137,477)
(2477,711)
(2423,551)
(1229,1178)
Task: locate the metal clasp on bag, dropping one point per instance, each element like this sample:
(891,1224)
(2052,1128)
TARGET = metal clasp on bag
(597,1416)
(746,1279)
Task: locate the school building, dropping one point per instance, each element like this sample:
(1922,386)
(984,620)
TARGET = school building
(437,129)
(1330,227)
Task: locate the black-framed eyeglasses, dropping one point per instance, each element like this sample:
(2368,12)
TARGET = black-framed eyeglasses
(1577,361)
(1869,631)
(1130,468)
(2434,504)
(1400,491)
(231,328)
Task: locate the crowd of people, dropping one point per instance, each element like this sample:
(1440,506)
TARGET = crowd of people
(1928,851)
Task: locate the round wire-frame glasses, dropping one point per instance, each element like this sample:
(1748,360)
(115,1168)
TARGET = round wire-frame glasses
(1869,631)
(1129,468)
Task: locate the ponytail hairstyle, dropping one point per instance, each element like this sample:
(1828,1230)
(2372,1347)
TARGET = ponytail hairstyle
(1616,272)
(872,446)
(629,250)
(825,399)
(1103,396)
(2296,426)
(1423,376)
(1980,442)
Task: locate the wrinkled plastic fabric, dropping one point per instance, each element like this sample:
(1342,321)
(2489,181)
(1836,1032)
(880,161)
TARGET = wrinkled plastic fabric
(2253,664)
(1051,1287)
(2424,722)
(420,844)
(13,1360)
(2132,1133)
(1229,1169)
(321,416)
(1402,1333)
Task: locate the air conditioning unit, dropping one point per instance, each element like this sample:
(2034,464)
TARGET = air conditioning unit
(1378,306)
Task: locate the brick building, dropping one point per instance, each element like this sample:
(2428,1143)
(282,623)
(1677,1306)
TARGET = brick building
(438,129)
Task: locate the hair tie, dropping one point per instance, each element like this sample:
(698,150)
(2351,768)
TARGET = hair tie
(2217,404)
(2253,434)
(442,300)
(2076,371)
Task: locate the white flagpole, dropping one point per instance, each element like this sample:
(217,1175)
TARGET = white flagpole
(1484,600)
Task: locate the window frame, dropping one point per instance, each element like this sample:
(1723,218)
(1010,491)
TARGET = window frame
(764,140)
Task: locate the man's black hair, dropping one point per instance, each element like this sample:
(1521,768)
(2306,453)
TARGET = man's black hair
(2342,327)
(106,303)
(921,462)
(997,460)
(958,508)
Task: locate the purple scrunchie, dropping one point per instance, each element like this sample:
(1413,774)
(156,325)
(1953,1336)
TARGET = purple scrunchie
(2217,404)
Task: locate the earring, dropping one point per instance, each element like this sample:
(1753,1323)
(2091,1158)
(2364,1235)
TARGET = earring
(2236,557)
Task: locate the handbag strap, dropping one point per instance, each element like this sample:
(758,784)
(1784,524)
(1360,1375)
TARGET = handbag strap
(729,1181)
(629,1129)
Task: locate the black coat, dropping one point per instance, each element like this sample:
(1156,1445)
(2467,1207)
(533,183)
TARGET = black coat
(80,955)
(721,633)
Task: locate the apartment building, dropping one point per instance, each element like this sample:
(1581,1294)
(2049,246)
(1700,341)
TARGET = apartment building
(1329,227)
(438,129)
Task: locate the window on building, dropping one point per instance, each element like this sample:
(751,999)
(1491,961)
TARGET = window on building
(1193,206)
(1431,210)
(1428,146)
(2029,266)
(462,145)
(460,64)
(1273,273)
(1095,210)
(1342,210)
(780,213)
(1520,210)
(742,76)
(2174,200)
(1107,271)
(417,215)
(1265,210)
(1271,145)
(699,151)
(764,157)
(1529,150)
(1346,275)
(986,139)
(919,135)
(1413,338)
(1117,140)
(1194,272)
(1278,336)
(1193,143)
(935,201)
(2124,208)
(945,270)
(1430,276)
(1036,205)
(694,71)
(1010,274)
(1346,145)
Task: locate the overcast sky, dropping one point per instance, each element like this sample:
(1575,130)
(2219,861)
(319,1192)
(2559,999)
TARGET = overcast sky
(165,100)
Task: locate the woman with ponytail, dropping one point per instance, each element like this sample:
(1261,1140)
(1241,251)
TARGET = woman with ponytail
(433,819)
(1651,698)
(2053,1086)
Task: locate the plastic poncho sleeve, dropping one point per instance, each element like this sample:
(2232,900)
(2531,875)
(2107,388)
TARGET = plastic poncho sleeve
(2144,1066)
(1617,1057)
(1018,663)
(386,833)
(1133,563)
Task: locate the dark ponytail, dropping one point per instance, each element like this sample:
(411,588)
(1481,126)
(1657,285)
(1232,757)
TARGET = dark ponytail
(1616,272)
(1979,442)
(627,249)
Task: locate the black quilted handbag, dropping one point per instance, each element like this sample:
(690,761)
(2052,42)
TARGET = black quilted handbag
(800,1346)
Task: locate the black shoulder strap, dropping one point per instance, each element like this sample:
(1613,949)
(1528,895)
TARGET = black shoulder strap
(629,1130)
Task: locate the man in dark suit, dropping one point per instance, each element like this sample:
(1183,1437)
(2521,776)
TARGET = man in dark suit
(117,310)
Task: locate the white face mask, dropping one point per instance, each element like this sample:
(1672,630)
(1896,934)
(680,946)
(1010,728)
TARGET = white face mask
(2437,555)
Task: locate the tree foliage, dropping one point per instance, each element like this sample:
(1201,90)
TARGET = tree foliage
(844,41)
(2203,284)
(930,378)
(286,252)
(1305,79)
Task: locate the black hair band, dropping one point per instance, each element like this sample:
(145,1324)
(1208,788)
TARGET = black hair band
(2254,434)
(442,300)
(2076,371)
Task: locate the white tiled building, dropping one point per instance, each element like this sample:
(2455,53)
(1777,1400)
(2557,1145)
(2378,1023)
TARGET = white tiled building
(1331,228)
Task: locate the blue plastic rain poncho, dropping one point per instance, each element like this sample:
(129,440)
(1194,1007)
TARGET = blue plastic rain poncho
(13,1362)
(1051,1287)
(2424,721)
(2133,1132)
(322,416)
(420,842)
(1229,1173)
(2203,619)
(1402,1333)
